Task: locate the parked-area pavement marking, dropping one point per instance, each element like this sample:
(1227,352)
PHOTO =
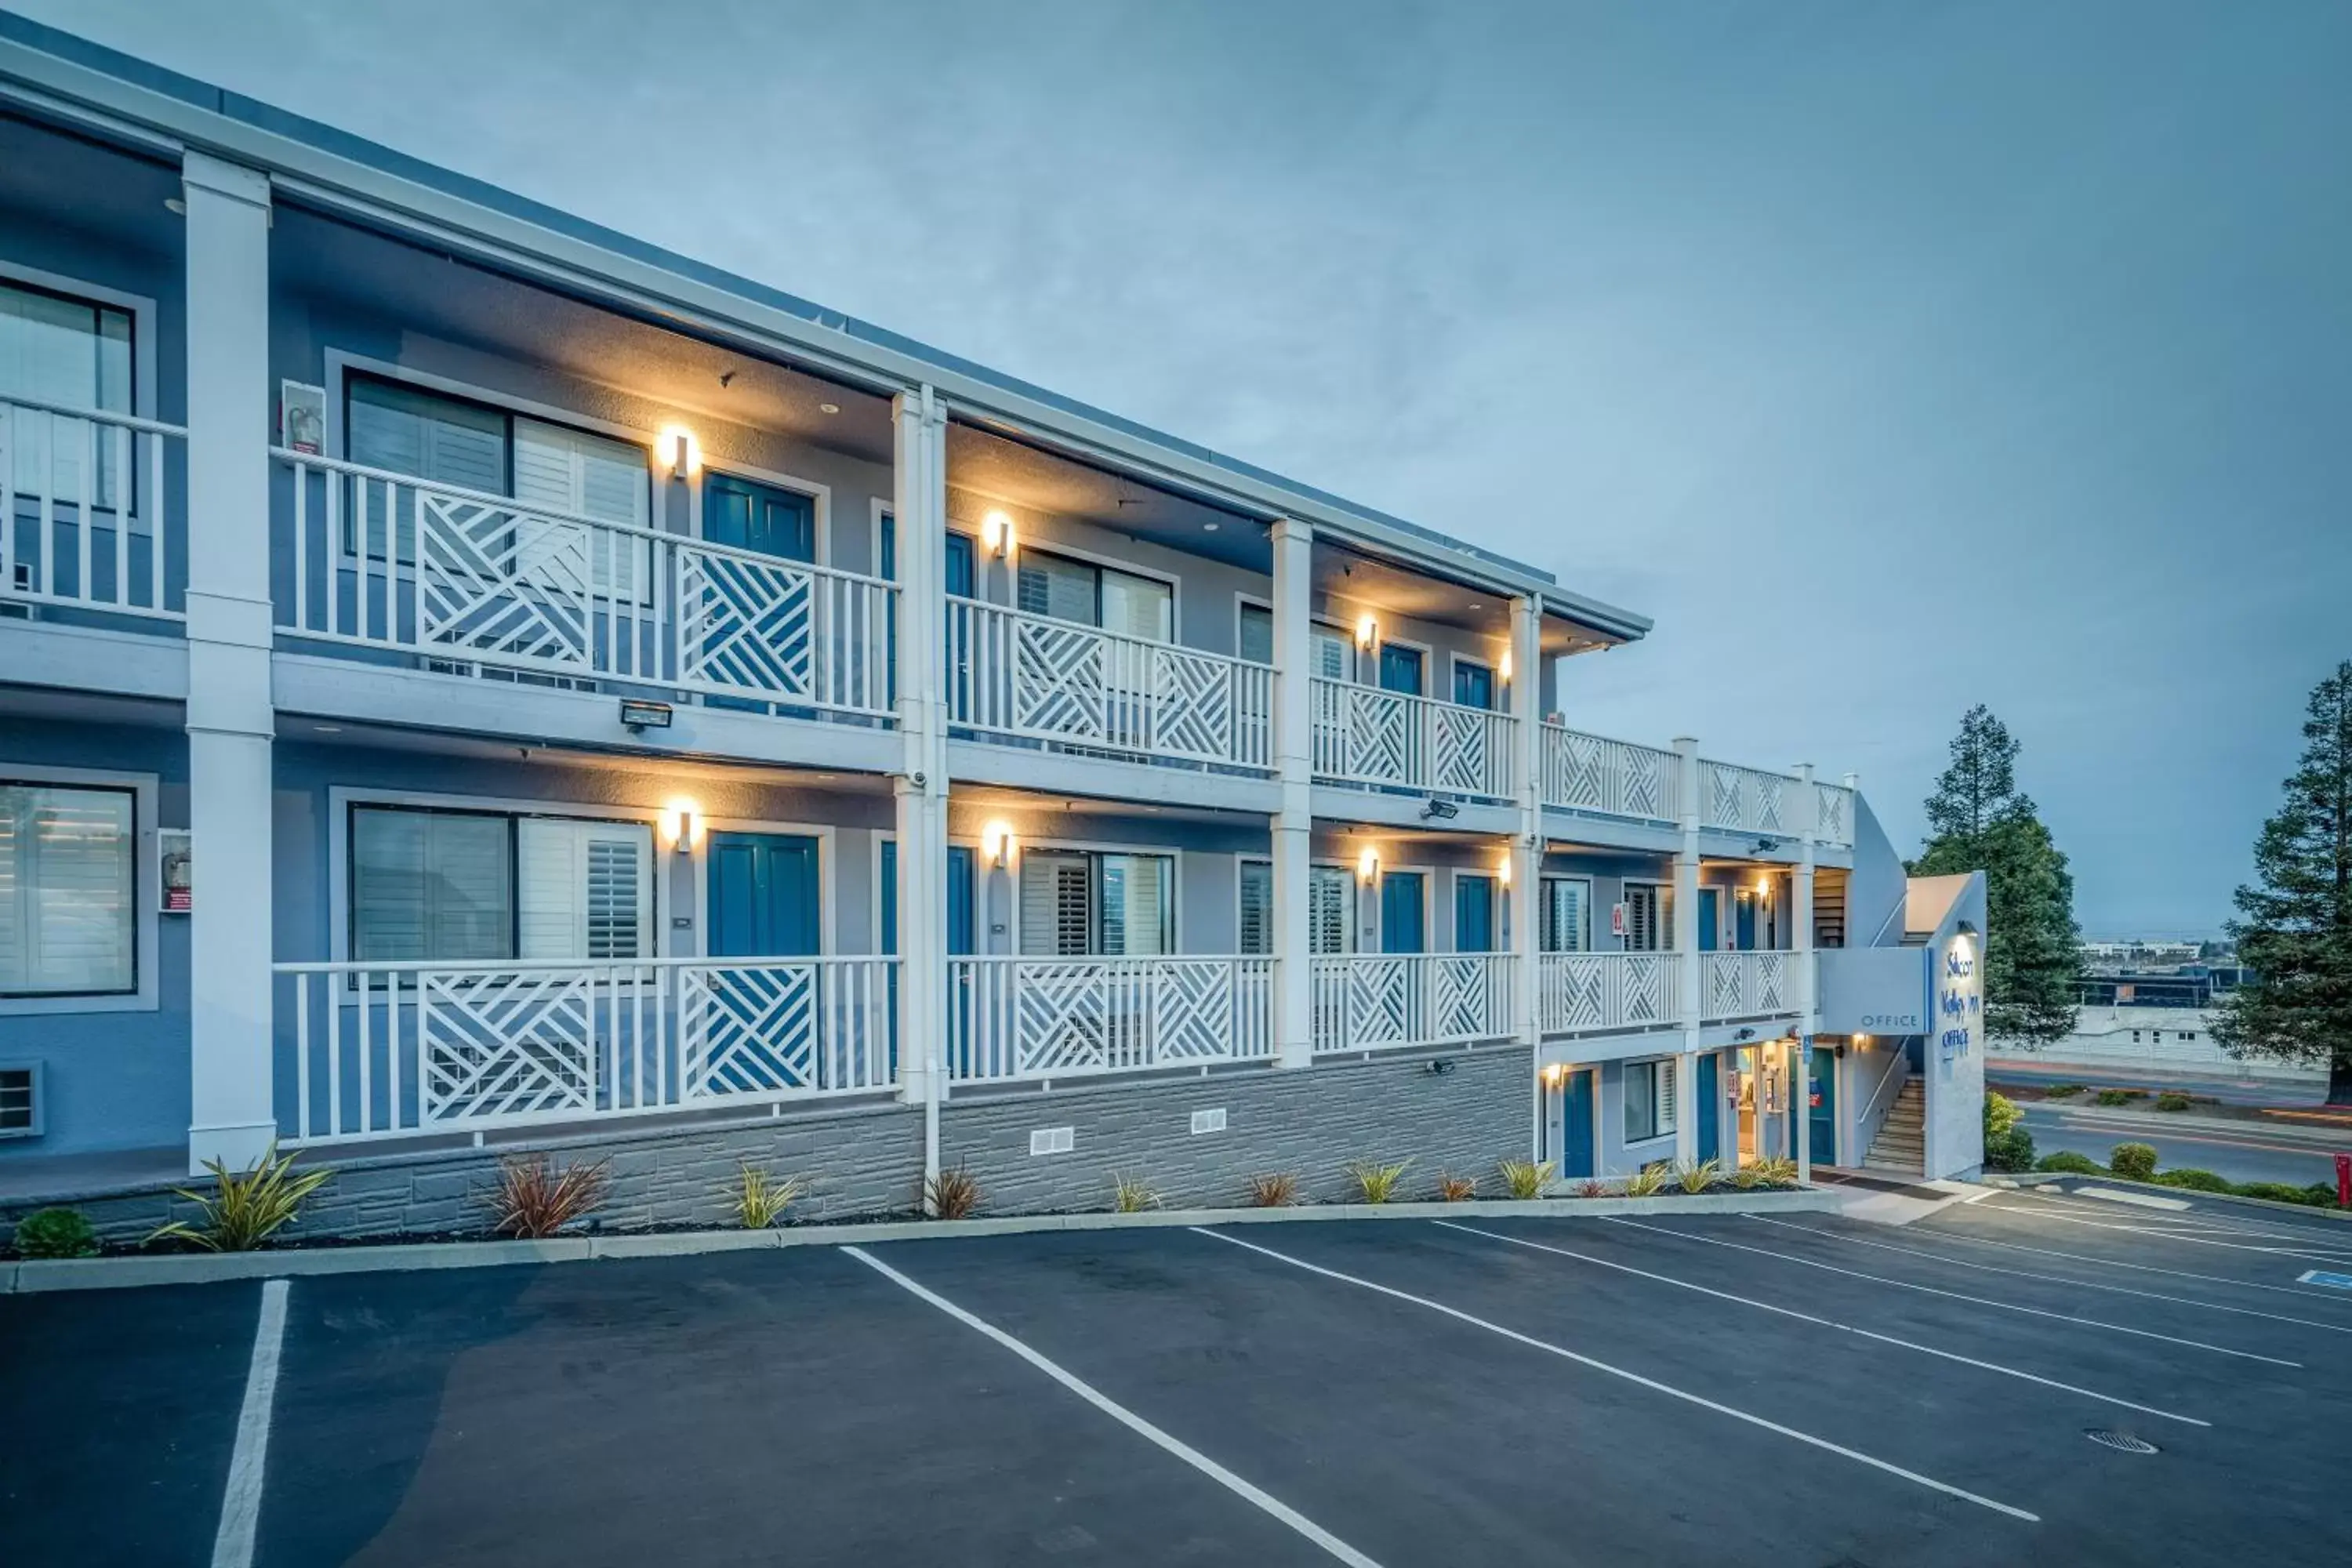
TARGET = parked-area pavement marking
(1872,1460)
(1208,1467)
(1828,1323)
(2048,1211)
(241,1500)
(2113,1262)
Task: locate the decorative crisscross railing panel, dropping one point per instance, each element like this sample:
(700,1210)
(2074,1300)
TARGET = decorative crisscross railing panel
(1584,992)
(1744,984)
(1833,814)
(748,1031)
(493,582)
(1363,734)
(1368,1001)
(1616,778)
(91,514)
(1017,1018)
(746,625)
(497,1047)
(1744,799)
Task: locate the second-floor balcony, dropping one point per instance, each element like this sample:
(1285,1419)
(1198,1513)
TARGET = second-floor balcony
(1368,1001)
(470,580)
(1028,1019)
(91,510)
(1599,993)
(1370,736)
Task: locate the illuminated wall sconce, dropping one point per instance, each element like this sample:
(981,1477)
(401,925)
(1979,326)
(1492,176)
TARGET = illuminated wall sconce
(996,843)
(1368,632)
(1367,865)
(1503,871)
(1764,889)
(679,451)
(681,823)
(1503,665)
(1555,1075)
(1862,1042)
(996,532)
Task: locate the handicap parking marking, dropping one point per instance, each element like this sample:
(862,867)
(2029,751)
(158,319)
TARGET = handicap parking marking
(1954,1295)
(1823,1444)
(2071,1283)
(248,1462)
(1134,1423)
(1830,1323)
(2334,1281)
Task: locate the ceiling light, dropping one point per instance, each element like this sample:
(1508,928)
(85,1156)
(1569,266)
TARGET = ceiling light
(828,408)
(327,729)
(1208,528)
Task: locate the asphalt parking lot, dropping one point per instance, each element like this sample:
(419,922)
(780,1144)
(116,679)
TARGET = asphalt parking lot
(1724,1390)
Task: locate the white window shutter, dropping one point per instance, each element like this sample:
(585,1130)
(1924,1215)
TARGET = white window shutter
(1667,1097)
(1055,913)
(574,474)
(1051,585)
(1256,925)
(68,917)
(1331,910)
(585,888)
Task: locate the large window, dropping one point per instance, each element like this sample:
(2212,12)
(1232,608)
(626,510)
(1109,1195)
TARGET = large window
(1254,631)
(1256,929)
(1567,915)
(458,887)
(68,881)
(1649,1099)
(74,354)
(1116,601)
(1330,909)
(1077,905)
(1649,917)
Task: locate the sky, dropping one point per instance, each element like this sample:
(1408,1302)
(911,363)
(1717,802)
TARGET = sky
(1893,357)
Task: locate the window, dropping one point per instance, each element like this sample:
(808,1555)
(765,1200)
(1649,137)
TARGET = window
(459,887)
(1256,924)
(1649,1099)
(69,900)
(1474,683)
(1333,653)
(1649,917)
(1077,904)
(1120,602)
(1567,915)
(72,353)
(1254,634)
(1330,909)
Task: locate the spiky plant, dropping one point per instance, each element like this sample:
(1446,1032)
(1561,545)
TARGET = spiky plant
(1455,1189)
(761,1199)
(1130,1195)
(1648,1180)
(246,1207)
(534,1199)
(953,1194)
(1696,1176)
(1378,1183)
(1274,1189)
(1525,1178)
(1592,1187)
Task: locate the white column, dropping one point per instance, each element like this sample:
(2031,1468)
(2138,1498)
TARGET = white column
(1808,988)
(230,717)
(1294,765)
(920,788)
(1686,945)
(1527,847)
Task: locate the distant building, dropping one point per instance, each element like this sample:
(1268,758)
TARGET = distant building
(2160,1024)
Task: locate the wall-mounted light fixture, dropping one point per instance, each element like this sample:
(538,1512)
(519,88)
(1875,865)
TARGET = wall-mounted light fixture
(996,532)
(1503,665)
(1764,887)
(1368,632)
(680,823)
(1503,870)
(996,843)
(1555,1075)
(677,451)
(1367,865)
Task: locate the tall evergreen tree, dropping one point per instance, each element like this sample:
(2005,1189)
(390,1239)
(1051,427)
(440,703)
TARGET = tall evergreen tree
(2295,928)
(1981,823)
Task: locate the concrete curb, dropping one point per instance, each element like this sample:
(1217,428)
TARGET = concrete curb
(206,1269)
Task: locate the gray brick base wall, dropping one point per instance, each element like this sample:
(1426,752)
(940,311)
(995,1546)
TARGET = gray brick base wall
(866,1162)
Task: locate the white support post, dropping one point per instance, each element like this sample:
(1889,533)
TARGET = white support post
(1807,978)
(1685,932)
(1528,846)
(1294,820)
(231,720)
(921,786)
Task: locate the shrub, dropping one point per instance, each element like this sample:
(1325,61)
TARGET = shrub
(1377,1182)
(953,1194)
(2173,1100)
(1525,1178)
(1747,1178)
(2194,1180)
(2062,1091)
(2318,1193)
(2071,1163)
(1275,1190)
(761,1199)
(1647,1180)
(1696,1175)
(2119,1096)
(534,1199)
(2132,1161)
(1778,1172)
(1129,1195)
(2010,1150)
(1455,1189)
(246,1207)
(56,1232)
(1592,1187)
(2000,1114)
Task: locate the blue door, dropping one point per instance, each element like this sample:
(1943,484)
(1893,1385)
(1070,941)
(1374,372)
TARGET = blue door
(765,899)
(752,516)
(1710,1106)
(1400,668)
(959,574)
(1401,925)
(1820,1106)
(1474,913)
(1743,913)
(1575,1148)
(1473,685)
(1710,923)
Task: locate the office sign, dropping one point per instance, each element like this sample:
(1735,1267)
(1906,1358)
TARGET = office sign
(1874,990)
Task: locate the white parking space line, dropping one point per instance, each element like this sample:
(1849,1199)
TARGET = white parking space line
(241,1501)
(2175,1234)
(1872,1461)
(2114,1262)
(1953,1295)
(1828,1323)
(2052,1279)
(1120,1413)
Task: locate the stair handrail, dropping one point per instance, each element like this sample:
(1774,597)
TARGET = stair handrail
(1872,1116)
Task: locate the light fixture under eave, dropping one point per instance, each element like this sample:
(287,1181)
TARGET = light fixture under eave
(677,451)
(1367,865)
(1503,665)
(1503,870)
(1368,632)
(996,532)
(996,843)
(681,825)
(828,408)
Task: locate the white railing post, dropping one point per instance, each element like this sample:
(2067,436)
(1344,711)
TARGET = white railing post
(1685,935)
(1294,820)
(231,718)
(1527,852)
(1803,982)
(920,788)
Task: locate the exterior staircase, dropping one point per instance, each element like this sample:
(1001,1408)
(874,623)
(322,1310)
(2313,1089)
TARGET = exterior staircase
(1900,1143)
(1829,912)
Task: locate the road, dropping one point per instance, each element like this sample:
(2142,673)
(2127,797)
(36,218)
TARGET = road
(2230,1091)
(2255,1154)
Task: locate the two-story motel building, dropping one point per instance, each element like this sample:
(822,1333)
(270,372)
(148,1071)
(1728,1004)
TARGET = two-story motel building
(471,678)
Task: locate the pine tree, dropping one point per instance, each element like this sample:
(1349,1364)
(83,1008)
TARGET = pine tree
(2295,930)
(1980,822)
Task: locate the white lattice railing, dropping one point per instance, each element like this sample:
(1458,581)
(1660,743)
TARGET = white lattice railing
(1616,778)
(90,510)
(1745,985)
(1365,1001)
(1031,1018)
(1747,800)
(1011,673)
(1833,814)
(1581,992)
(1363,734)
(378,559)
(391,1050)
